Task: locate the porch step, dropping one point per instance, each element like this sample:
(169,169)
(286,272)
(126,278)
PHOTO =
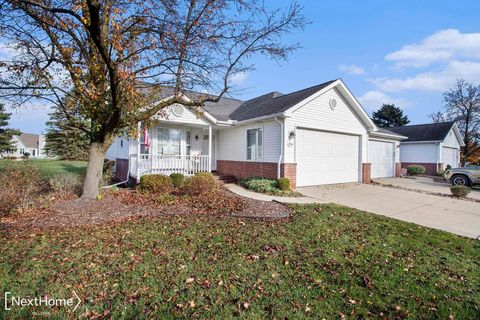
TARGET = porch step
(227,178)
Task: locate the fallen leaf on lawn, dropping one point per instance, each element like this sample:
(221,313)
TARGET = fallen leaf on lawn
(189,280)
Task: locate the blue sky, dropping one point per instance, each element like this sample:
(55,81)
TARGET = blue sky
(405,52)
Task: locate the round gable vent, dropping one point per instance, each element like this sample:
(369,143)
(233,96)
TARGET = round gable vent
(177,110)
(333,103)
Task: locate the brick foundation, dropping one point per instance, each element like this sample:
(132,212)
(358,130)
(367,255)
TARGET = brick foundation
(245,169)
(430,168)
(121,169)
(366,172)
(289,170)
(398,169)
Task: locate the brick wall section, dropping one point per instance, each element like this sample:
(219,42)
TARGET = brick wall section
(289,170)
(398,169)
(366,172)
(121,169)
(430,168)
(245,169)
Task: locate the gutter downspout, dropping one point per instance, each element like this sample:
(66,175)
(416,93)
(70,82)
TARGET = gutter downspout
(282,135)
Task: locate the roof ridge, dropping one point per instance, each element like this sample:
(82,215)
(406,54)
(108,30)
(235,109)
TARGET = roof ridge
(424,124)
(311,87)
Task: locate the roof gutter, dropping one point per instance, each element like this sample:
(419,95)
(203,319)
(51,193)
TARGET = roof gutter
(275,115)
(381,134)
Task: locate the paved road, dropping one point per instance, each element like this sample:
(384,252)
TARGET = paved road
(456,216)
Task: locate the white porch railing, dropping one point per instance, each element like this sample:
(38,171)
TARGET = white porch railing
(168,164)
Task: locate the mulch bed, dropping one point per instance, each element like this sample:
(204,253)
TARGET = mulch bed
(114,207)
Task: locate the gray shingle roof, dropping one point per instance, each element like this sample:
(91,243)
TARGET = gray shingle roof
(30,140)
(273,102)
(424,132)
(267,104)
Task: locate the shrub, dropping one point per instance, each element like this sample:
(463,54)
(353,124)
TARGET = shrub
(21,183)
(200,183)
(460,191)
(448,167)
(107,175)
(65,183)
(415,170)
(208,175)
(284,184)
(156,183)
(259,184)
(166,199)
(217,202)
(177,179)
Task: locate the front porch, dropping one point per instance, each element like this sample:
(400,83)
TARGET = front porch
(174,148)
(167,164)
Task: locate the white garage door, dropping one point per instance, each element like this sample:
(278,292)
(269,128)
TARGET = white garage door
(450,157)
(381,156)
(325,157)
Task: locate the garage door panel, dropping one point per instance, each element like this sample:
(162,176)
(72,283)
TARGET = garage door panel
(450,156)
(325,157)
(382,158)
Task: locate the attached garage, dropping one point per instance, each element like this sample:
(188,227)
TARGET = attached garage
(326,157)
(381,155)
(450,156)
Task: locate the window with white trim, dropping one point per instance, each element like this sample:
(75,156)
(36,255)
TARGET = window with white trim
(188,140)
(254,144)
(168,141)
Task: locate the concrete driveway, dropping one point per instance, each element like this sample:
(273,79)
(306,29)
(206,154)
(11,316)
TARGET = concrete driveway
(456,216)
(425,184)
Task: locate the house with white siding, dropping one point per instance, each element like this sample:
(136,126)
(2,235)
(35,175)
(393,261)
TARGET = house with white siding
(27,143)
(433,145)
(318,135)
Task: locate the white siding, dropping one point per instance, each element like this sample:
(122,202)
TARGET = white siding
(118,149)
(419,152)
(317,114)
(232,142)
(451,140)
(187,117)
(450,150)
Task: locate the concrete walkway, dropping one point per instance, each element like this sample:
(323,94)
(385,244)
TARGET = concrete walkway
(235,188)
(424,184)
(456,216)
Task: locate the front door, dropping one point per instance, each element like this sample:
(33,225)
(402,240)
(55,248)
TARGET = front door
(205,150)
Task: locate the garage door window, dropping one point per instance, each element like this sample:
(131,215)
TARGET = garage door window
(254,144)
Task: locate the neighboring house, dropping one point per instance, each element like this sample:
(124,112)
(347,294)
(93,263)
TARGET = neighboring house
(433,145)
(34,144)
(318,135)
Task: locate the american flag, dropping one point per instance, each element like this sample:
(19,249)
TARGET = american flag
(146,138)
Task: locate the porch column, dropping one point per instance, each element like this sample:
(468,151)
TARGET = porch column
(209,148)
(138,149)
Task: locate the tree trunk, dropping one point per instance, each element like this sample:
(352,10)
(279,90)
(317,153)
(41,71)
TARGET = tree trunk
(93,178)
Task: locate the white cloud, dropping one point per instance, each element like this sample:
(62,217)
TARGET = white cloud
(441,46)
(239,78)
(437,81)
(373,100)
(351,69)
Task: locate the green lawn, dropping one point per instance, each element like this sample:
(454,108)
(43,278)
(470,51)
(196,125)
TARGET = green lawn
(50,167)
(326,262)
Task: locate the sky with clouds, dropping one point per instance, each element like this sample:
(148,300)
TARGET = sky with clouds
(402,52)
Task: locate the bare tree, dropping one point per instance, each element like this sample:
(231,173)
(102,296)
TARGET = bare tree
(127,60)
(462,104)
